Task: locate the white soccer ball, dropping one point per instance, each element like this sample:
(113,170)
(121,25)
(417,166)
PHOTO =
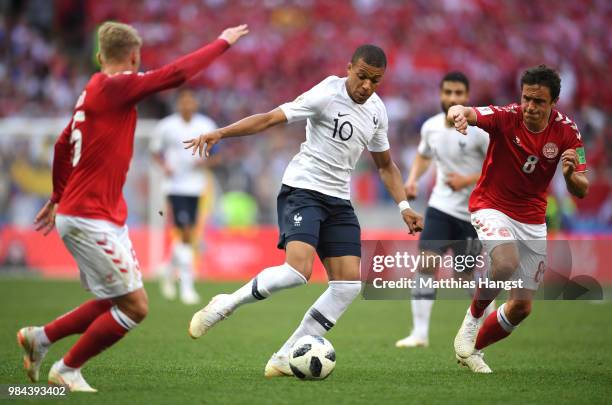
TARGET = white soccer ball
(312,358)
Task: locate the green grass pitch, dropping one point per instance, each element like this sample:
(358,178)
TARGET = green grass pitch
(561,354)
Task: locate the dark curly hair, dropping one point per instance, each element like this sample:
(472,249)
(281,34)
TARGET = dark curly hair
(544,76)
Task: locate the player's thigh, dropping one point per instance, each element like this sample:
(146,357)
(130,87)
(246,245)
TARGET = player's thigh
(532,264)
(435,238)
(342,268)
(300,214)
(107,264)
(497,234)
(466,247)
(340,233)
(184,214)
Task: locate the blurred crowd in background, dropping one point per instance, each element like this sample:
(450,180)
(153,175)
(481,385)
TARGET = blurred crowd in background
(47,53)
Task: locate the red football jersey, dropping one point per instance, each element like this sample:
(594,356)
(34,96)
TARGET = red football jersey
(520,164)
(93,153)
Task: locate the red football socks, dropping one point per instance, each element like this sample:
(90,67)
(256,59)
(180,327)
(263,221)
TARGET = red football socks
(493,329)
(77,320)
(101,334)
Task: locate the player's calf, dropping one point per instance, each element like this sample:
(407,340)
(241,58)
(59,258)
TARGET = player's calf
(259,288)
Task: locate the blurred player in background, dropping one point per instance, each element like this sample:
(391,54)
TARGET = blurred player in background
(509,202)
(184,183)
(92,157)
(458,162)
(315,216)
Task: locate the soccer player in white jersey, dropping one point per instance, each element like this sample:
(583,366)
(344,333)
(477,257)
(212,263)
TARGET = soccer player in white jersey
(184,183)
(315,215)
(458,162)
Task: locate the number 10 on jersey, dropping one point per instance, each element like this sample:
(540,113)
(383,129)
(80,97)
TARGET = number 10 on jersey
(342,132)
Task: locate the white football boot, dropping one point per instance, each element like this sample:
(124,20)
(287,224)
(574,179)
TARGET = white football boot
(190,297)
(34,350)
(466,336)
(60,374)
(213,313)
(475,362)
(412,341)
(278,366)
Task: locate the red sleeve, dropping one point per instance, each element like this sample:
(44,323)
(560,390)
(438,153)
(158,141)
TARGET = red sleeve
(62,164)
(574,142)
(489,118)
(133,87)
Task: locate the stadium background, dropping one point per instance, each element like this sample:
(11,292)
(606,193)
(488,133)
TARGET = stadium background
(47,50)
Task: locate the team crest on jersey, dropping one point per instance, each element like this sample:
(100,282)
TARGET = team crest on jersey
(550,150)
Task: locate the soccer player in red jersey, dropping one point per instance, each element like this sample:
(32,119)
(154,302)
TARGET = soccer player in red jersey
(508,205)
(92,157)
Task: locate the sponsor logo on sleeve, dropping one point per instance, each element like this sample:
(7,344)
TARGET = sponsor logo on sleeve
(485,110)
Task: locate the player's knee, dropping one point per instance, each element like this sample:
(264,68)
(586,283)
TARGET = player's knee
(140,310)
(185,234)
(517,311)
(302,266)
(136,309)
(505,266)
(300,256)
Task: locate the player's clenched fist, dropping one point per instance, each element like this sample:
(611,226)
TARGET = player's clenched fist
(198,143)
(233,34)
(456,116)
(413,220)
(569,160)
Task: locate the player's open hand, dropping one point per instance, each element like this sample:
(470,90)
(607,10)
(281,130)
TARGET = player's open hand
(45,219)
(413,220)
(411,190)
(569,160)
(456,181)
(455,115)
(197,144)
(233,34)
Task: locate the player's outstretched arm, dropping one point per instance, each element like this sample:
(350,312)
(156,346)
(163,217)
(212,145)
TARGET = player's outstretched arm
(392,179)
(246,126)
(461,117)
(131,88)
(576,182)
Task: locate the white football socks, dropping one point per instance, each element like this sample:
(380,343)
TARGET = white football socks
(325,312)
(265,283)
(421,303)
(183,259)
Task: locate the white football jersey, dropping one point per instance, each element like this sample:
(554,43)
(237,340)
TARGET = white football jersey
(337,131)
(187,178)
(452,152)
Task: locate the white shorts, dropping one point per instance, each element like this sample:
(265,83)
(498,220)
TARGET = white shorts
(103,251)
(495,228)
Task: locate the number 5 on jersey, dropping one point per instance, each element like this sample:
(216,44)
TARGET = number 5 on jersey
(76,137)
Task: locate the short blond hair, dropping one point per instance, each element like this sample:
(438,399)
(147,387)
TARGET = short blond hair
(117,40)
